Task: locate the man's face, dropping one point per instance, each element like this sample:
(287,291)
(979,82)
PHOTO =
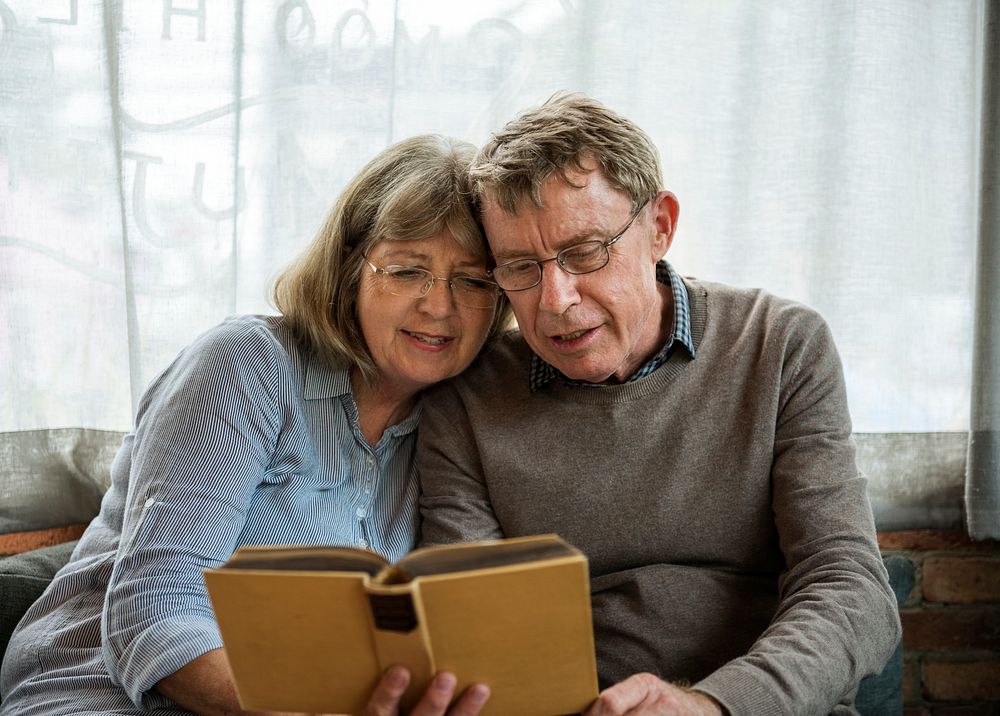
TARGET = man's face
(597,326)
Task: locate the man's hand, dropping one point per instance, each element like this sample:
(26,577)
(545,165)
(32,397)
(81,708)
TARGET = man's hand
(385,698)
(645,694)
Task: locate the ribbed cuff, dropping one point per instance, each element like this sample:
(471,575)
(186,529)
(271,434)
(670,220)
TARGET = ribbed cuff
(739,692)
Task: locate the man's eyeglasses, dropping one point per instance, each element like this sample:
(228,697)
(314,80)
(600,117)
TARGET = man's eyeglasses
(413,282)
(585,257)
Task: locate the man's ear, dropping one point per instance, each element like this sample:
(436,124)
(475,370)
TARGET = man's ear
(666,209)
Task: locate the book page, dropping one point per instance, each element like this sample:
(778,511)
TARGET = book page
(307,559)
(444,559)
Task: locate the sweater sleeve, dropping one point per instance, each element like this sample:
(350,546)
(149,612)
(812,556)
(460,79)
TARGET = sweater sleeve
(454,503)
(836,620)
(204,439)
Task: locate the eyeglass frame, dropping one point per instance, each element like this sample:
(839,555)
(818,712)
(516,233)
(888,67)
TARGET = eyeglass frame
(429,285)
(559,262)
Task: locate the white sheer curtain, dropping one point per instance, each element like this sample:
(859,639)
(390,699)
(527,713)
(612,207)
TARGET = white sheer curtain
(161,160)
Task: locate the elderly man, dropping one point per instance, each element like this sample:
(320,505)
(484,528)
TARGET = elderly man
(693,439)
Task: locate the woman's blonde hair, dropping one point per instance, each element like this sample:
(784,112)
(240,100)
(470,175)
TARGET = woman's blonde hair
(559,135)
(414,189)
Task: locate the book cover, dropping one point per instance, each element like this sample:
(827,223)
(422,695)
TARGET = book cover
(313,628)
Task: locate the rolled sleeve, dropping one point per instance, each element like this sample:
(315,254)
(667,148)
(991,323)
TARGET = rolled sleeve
(162,649)
(204,441)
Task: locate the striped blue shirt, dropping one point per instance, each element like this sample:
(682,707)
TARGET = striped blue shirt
(243,440)
(542,373)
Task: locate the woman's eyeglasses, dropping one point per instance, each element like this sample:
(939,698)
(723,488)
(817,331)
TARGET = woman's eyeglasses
(414,282)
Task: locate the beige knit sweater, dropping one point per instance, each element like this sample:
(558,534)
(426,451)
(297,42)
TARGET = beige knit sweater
(729,533)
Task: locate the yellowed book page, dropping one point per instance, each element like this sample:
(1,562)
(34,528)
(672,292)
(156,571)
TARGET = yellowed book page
(464,556)
(311,558)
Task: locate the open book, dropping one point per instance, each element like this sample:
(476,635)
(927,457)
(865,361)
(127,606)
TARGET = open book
(313,628)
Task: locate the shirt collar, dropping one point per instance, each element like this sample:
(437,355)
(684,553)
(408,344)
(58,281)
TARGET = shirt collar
(542,374)
(323,380)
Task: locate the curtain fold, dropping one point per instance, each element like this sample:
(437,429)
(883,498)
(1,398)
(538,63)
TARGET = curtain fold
(982,487)
(111,17)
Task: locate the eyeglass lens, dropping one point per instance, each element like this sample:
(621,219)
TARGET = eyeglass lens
(585,257)
(412,282)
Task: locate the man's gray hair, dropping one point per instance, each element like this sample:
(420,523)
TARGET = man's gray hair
(562,134)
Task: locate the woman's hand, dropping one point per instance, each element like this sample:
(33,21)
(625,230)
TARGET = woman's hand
(385,698)
(206,687)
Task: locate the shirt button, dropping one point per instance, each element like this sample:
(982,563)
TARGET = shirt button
(362,543)
(370,462)
(360,512)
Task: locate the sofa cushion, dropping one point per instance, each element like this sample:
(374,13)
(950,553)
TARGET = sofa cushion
(52,478)
(23,578)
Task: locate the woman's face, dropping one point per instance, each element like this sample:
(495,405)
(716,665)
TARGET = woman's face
(417,342)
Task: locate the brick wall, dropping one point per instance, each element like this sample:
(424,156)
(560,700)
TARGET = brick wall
(951,623)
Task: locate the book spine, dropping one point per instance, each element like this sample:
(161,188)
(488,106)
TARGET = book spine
(400,635)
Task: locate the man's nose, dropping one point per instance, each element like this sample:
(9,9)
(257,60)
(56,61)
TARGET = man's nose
(557,289)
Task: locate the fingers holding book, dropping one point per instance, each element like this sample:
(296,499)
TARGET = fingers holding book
(434,701)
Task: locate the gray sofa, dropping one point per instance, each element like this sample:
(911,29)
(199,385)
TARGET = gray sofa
(54,478)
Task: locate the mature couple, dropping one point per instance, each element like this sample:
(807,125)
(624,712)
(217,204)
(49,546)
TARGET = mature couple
(691,438)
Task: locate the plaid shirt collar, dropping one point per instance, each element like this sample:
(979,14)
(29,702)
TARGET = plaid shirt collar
(541,373)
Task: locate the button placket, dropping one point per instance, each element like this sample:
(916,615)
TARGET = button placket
(370,474)
(368,477)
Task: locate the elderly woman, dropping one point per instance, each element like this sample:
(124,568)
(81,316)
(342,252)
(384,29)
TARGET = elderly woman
(271,430)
